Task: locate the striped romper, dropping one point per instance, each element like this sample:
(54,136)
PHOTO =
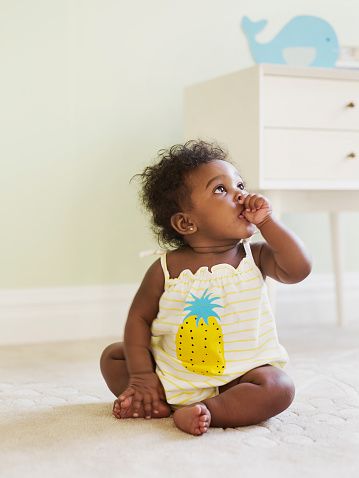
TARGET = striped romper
(212,327)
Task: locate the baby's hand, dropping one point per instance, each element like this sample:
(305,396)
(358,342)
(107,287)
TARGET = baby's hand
(256,208)
(143,389)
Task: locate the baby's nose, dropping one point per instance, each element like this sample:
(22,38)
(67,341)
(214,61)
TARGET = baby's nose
(239,196)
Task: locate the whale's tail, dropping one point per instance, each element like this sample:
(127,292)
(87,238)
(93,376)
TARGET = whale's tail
(252,28)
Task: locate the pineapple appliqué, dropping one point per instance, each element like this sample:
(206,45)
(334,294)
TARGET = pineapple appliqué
(199,340)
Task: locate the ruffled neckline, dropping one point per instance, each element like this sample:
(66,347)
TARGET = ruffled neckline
(204,270)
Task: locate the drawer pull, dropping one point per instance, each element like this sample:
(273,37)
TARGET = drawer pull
(351,104)
(351,156)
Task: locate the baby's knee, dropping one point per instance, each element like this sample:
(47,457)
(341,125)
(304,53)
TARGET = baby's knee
(281,388)
(112,352)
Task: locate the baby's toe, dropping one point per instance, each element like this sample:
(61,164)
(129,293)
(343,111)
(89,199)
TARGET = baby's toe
(116,411)
(203,427)
(204,418)
(125,403)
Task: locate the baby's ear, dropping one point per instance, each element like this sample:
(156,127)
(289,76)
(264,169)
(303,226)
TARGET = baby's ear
(182,223)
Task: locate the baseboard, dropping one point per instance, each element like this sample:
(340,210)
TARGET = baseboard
(79,313)
(57,314)
(314,300)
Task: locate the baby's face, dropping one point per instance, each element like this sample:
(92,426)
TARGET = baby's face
(216,188)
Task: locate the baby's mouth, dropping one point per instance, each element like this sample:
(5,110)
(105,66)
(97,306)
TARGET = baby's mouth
(240,215)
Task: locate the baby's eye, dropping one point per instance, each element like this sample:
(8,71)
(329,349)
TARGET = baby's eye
(241,186)
(219,189)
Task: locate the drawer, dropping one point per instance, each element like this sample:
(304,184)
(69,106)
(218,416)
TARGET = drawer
(308,155)
(290,102)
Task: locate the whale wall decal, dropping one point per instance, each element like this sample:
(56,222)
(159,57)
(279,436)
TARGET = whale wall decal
(304,41)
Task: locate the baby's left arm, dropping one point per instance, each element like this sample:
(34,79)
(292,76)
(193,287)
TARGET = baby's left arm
(282,256)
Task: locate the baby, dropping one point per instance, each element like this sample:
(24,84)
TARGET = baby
(200,339)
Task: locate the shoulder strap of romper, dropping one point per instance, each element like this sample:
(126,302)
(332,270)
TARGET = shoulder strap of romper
(164,266)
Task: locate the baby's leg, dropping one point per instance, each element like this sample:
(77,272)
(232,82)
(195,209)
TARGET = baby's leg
(256,396)
(114,371)
(113,368)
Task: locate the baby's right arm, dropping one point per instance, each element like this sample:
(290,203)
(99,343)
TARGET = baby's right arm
(144,385)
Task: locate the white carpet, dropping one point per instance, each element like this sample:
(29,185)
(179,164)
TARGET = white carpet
(55,418)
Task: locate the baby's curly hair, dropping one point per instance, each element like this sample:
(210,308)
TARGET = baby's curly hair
(164,190)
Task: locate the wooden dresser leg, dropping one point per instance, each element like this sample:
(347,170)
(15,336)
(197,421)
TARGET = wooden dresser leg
(337,257)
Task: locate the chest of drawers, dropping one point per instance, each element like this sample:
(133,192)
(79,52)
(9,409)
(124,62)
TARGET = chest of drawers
(294,135)
(287,128)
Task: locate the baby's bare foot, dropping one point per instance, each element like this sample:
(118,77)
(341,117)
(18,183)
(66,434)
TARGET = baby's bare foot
(124,409)
(194,419)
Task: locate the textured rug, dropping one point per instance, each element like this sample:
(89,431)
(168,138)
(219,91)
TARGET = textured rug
(55,418)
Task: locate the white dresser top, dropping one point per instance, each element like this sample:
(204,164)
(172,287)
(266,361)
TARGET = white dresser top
(325,73)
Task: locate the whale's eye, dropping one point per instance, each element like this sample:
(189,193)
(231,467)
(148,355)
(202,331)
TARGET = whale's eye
(327,39)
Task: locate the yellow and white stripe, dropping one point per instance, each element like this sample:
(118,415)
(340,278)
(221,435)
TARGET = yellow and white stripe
(249,330)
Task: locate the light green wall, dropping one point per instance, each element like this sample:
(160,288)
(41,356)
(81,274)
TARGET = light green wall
(90,91)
